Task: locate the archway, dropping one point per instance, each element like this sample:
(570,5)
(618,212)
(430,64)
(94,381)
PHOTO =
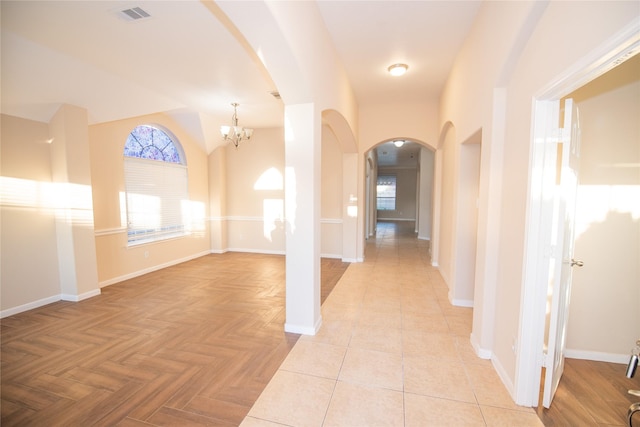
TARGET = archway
(408,167)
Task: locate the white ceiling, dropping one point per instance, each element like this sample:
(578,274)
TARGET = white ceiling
(406,156)
(183,61)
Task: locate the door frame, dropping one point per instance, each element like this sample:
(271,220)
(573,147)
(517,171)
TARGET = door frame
(529,348)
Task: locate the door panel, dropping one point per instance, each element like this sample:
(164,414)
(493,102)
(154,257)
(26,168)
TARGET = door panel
(562,259)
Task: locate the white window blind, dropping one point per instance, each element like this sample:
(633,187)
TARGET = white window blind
(156,191)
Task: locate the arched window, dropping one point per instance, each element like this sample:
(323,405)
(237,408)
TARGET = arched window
(156,185)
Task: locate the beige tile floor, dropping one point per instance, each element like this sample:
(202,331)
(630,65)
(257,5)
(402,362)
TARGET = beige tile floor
(392,351)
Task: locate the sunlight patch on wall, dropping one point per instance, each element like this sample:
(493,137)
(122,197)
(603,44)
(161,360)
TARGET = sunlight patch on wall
(123,209)
(193,215)
(595,202)
(66,201)
(352,208)
(271,179)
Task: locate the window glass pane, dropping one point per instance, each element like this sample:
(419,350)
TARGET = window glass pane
(148,142)
(386,192)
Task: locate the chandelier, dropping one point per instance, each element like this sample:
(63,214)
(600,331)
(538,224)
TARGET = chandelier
(235,133)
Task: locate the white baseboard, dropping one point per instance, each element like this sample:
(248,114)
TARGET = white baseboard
(45,301)
(29,306)
(256,251)
(504,377)
(598,356)
(462,303)
(304,330)
(77,298)
(218,251)
(480,352)
(332,256)
(151,269)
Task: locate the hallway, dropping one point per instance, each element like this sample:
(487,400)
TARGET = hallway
(391,351)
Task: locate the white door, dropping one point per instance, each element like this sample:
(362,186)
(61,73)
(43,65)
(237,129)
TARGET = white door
(562,255)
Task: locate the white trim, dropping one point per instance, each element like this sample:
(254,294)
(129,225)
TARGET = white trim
(304,330)
(395,219)
(535,262)
(29,306)
(482,353)
(261,219)
(243,218)
(257,251)
(46,301)
(109,231)
(613,52)
(333,256)
(598,356)
(78,298)
(461,302)
(151,269)
(278,252)
(352,260)
(330,220)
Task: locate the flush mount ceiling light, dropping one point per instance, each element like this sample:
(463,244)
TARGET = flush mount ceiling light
(399,143)
(397,69)
(239,133)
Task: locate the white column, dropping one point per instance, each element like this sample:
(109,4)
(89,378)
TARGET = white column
(302,212)
(71,172)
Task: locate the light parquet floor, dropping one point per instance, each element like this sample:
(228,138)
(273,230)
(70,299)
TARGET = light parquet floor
(591,394)
(193,344)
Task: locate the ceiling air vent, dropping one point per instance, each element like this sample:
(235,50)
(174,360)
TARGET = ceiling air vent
(134,14)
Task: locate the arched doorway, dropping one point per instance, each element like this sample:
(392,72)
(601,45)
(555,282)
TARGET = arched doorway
(399,183)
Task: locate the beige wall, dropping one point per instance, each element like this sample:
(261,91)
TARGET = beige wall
(117,261)
(604,317)
(382,122)
(28,218)
(331,197)
(254,203)
(255,193)
(523,47)
(447,207)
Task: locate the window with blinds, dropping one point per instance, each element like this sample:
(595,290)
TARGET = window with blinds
(386,193)
(156,186)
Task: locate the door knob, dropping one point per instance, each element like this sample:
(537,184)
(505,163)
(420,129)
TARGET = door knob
(576,262)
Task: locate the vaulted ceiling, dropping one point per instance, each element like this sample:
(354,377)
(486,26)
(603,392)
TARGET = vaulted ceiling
(182,60)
